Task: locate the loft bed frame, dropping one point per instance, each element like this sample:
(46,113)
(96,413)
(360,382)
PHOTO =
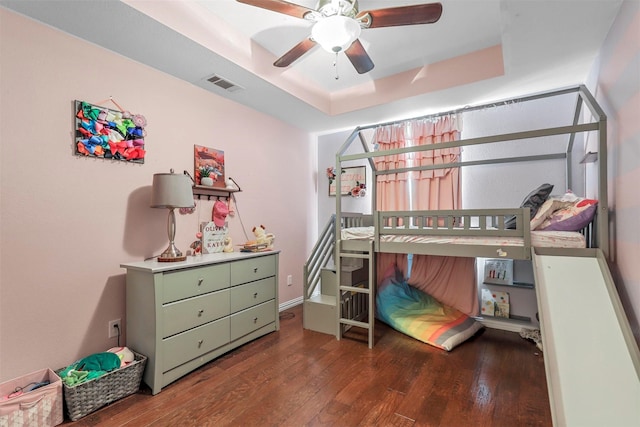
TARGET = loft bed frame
(491,221)
(356,303)
(591,331)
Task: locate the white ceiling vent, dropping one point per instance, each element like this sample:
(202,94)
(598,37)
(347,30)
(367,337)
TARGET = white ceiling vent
(224,83)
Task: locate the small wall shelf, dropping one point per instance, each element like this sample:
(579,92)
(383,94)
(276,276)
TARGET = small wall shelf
(589,157)
(498,271)
(511,285)
(201,191)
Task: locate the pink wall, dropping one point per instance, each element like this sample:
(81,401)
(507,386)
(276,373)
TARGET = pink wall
(617,88)
(68,222)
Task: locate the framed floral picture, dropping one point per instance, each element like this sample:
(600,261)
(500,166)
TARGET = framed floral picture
(353,181)
(208,166)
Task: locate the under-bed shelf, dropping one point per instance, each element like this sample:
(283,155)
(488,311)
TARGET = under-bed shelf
(511,318)
(524,285)
(512,324)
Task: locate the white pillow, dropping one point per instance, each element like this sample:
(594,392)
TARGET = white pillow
(547,209)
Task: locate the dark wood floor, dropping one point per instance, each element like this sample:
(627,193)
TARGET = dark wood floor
(296,377)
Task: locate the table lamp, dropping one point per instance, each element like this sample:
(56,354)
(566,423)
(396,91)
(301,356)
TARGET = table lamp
(170,191)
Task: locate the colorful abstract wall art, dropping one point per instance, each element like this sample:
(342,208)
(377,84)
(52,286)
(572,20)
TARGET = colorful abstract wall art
(109,134)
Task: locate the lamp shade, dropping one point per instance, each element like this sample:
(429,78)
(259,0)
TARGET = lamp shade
(335,33)
(171,190)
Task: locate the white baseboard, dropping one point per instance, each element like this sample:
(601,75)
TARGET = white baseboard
(288,304)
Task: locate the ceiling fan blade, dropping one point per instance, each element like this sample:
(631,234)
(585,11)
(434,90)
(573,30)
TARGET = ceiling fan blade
(359,57)
(279,6)
(296,52)
(403,15)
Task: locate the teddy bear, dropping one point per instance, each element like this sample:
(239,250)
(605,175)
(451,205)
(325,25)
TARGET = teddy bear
(228,245)
(262,237)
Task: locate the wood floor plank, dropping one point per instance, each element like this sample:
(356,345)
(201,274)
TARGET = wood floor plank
(296,377)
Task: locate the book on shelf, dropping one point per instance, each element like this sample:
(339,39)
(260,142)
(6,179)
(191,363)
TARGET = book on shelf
(494,303)
(498,271)
(502,309)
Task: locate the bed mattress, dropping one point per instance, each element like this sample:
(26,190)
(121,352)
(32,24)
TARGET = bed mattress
(539,239)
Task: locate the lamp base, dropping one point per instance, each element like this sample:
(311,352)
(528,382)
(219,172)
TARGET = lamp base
(171,254)
(171,259)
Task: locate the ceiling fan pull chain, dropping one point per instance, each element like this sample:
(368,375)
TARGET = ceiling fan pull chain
(335,66)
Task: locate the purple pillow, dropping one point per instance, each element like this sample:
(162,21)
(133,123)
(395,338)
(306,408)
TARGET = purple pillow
(572,218)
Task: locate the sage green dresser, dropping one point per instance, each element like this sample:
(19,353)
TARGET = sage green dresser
(184,314)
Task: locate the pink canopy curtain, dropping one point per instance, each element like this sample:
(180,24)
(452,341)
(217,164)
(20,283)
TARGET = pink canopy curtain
(451,280)
(436,188)
(427,189)
(391,189)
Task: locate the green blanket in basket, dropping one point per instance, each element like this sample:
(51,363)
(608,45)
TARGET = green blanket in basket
(89,368)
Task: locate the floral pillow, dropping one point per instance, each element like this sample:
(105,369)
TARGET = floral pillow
(571,218)
(547,209)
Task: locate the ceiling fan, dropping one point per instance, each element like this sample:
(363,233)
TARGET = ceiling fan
(337,26)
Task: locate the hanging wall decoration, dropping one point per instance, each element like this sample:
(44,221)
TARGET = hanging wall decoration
(209,166)
(353,181)
(108,133)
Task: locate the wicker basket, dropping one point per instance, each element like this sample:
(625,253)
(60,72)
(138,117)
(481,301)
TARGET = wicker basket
(84,398)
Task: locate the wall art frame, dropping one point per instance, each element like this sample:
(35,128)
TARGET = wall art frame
(208,163)
(352,181)
(107,133)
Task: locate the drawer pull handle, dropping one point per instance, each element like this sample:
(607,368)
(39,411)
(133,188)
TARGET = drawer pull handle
(255,295)
(200,312)
(200,343)
(200,280)
(255,320)
(255,270)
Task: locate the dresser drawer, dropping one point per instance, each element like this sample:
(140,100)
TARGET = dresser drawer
(253,293)
(251,319)
(252,269)
(191,344)
(182,284)
(189,313)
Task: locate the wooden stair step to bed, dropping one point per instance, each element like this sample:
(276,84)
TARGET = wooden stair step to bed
(320,310)
(356,296)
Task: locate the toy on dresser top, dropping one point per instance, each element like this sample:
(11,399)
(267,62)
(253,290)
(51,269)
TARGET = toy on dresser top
(264,240)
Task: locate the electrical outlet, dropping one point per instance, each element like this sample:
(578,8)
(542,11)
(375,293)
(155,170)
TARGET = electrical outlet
(289,280)
(114,328)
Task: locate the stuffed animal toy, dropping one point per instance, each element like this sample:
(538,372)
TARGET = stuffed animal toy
(228,245)
(124,353)
(262,237)
(197,245)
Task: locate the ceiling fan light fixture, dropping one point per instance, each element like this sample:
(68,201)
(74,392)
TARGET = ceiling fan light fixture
(335,33)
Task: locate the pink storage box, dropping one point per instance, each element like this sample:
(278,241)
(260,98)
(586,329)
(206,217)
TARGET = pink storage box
(39,407)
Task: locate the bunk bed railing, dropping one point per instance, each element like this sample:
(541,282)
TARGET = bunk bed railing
(320,256)
(463,222)
(487,223)
(323,251)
